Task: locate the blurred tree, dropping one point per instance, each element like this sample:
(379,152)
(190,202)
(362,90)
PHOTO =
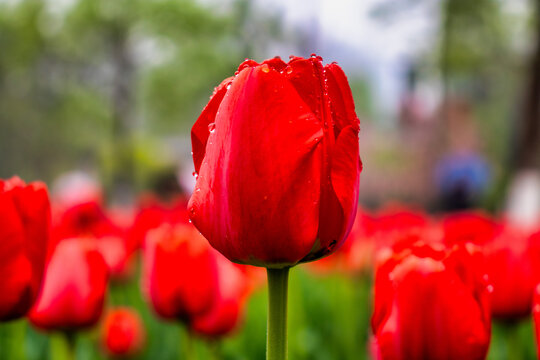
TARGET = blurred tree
(527,152)
(81,85)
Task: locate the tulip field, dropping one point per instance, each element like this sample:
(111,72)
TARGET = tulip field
(167,193)
(155,280)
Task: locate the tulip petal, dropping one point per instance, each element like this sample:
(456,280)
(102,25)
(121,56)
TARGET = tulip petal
(342,102)
(15,269)
(345,175)
(257,195)
(276,63)
(200,130)
(32,203)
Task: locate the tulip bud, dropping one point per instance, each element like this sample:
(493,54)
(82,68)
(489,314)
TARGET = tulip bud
(276,153)
(73,289)
(123,332)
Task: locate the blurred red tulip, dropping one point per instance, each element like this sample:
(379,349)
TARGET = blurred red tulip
(123,332)
(226,312)
(25,219)
(512,258)
(475,227)
(180,272)
(397,224)
(276,152)
(73,289)
(431,303)
(536,318)
(152,214)
(90,220)
(356,254)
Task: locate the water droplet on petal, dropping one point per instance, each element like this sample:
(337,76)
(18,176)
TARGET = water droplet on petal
(229,86)
(190,221)
(265,68)
(289,70)
(212,127)
(194,174)
(313,55)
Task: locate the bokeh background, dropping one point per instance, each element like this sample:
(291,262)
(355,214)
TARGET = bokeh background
(448,93)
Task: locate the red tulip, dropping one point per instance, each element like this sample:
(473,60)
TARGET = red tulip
(73,289)
(276,152)
(475,227)
(180,272)
(24,233)
(226,312)
(152,214)
(512,259)
(123,332)
(431,303)
(90,220)
(536,317)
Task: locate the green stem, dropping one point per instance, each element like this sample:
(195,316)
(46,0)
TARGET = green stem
(71,341)
(276,337)
(188,344)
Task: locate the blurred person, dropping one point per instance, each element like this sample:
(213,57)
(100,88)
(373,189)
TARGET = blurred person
(462,174)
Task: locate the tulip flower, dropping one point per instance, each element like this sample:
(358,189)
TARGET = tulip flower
(513,259)
(276,154)
(431,302)
(73,289)
(536,317)
(24,233)
(511,255)
(226,312)
(180,272)
(122,332)
(90,220)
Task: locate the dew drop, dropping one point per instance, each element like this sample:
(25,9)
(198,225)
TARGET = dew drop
(490,288)
(212,127)
(313,55)
(265,68)
(194,174)
(191,222)
(289,70)
(229,86)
